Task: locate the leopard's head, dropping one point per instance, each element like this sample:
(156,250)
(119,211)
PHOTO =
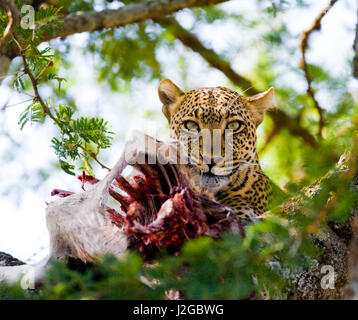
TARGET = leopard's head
(219,115)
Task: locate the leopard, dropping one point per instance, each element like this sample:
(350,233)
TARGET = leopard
(235,178)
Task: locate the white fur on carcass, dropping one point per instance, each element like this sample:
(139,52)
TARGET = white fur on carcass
(79,227)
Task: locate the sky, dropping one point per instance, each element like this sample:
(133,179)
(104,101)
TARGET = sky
(23,231)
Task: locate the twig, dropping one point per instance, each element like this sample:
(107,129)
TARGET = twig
(42,248)
(34,82)
(5,106)
(316,25)
(49,64)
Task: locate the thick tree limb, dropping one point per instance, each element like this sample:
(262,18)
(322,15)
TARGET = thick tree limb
(316,25)
(281,119)
(334,242)
(90,21)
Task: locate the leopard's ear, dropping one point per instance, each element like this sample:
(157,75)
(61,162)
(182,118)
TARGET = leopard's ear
(169,95)
(261,102)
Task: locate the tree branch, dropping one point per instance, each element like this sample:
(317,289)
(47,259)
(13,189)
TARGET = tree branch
(333,239)
(280,118)
(316,25)
(45,109)
(211,57)
(131,13)
(98,20)
(90,21)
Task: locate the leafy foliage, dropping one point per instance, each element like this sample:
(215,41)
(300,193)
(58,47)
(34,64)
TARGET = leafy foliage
(117,61)
(206,269)
(79,138)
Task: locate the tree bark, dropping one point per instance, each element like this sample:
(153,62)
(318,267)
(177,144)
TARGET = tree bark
(351,292)
(98,20)
(335,242)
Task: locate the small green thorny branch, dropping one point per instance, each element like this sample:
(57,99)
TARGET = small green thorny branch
(81,138)
(45,109)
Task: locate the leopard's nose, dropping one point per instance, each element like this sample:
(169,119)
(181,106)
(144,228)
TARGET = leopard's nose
(212,162)
(210,166)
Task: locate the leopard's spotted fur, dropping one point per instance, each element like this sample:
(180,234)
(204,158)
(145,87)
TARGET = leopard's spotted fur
(240,184)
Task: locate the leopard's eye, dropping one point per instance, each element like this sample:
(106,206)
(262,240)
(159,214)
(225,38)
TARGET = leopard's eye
(234,125)
(191,125)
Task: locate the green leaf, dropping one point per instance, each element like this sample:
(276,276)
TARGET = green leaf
(33,113)
(65,166)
